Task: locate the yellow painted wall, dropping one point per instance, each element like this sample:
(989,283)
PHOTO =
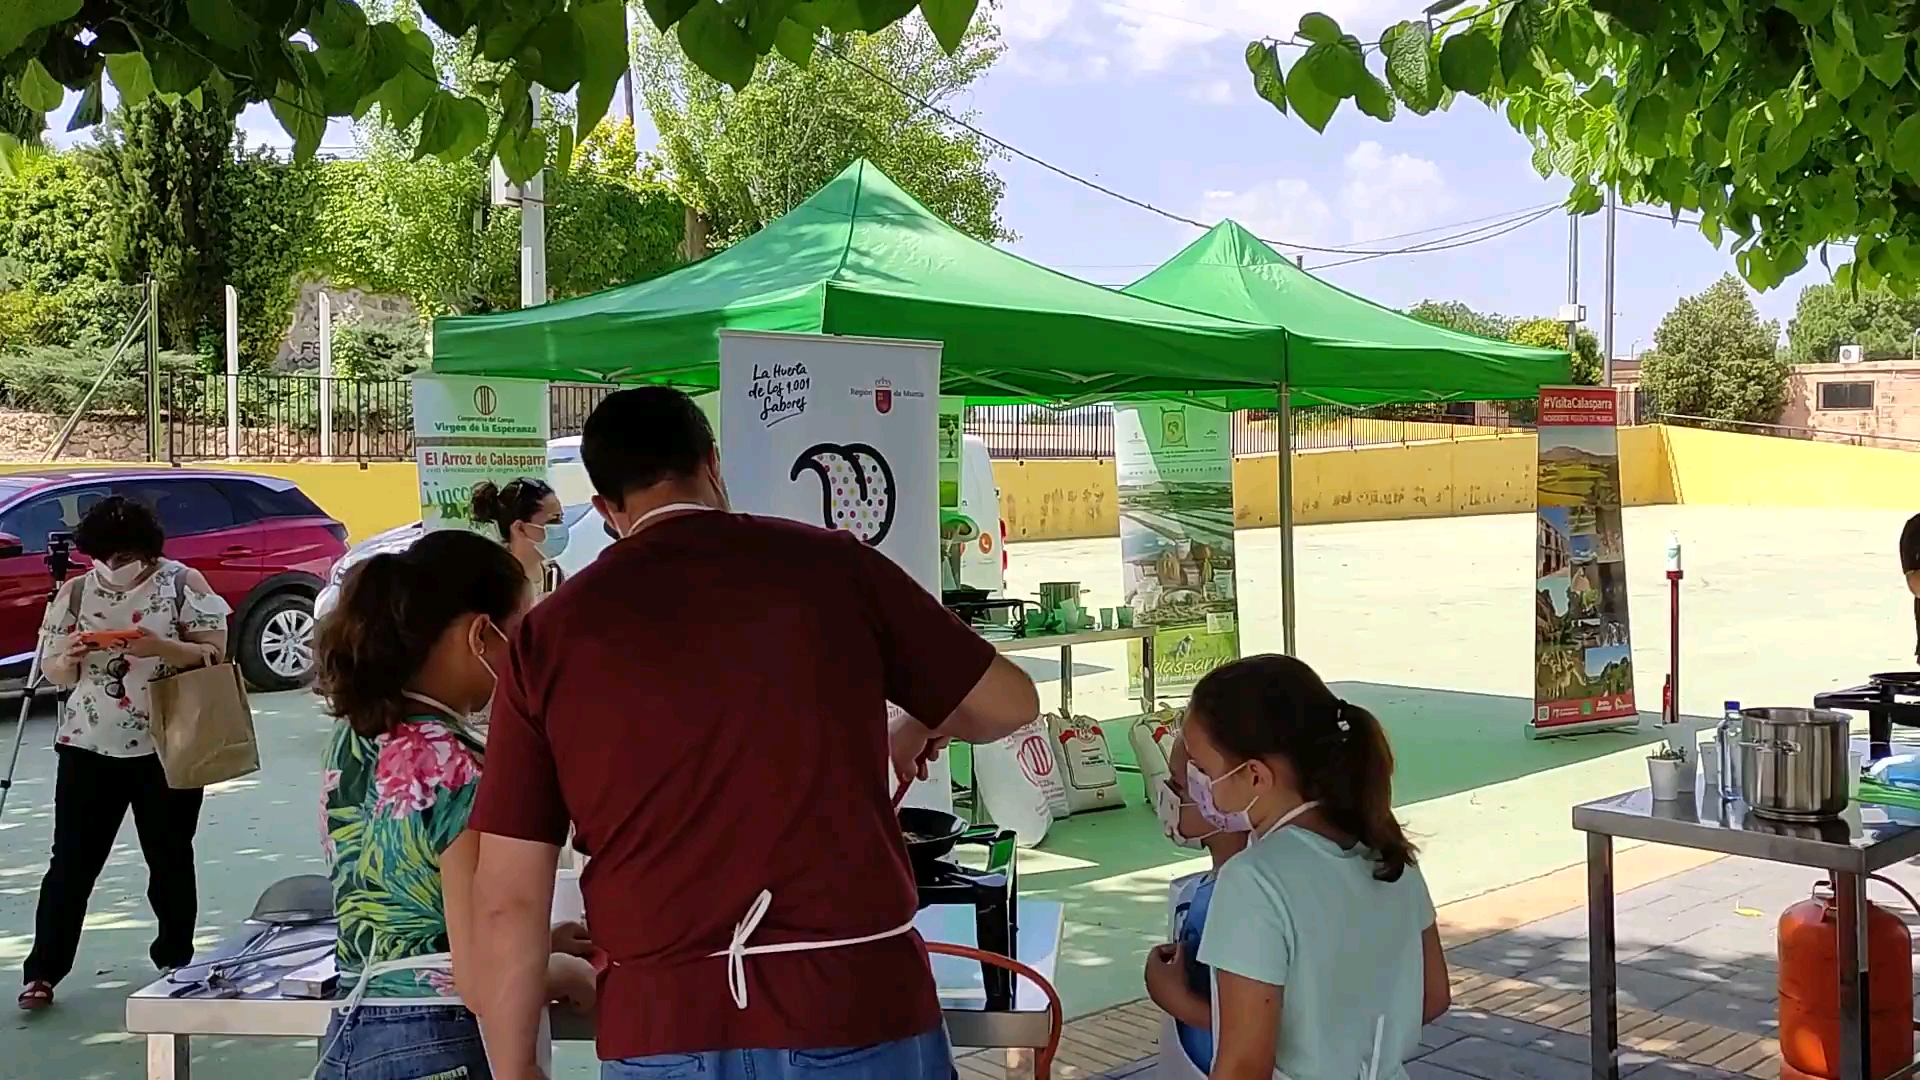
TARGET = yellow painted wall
(1756,470)
(1057,500)
(366,500)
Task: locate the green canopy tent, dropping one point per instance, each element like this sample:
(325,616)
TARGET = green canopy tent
(862,258)
(1340,348)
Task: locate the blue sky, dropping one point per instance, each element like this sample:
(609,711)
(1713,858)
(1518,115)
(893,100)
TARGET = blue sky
(1152,98)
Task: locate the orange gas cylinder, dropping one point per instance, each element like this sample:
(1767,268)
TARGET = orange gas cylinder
(1810,989)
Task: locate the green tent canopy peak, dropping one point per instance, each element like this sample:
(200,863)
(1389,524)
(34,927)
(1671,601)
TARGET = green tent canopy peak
(1344,348)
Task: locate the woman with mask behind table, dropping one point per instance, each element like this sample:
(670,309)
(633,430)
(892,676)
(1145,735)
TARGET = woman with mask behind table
(526,514)
(169,621)
(407,656)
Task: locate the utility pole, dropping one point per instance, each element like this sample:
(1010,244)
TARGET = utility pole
(1606,323)
(1573,283)
(533,232)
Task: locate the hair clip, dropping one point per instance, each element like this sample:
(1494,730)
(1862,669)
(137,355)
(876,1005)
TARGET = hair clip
(1340,717)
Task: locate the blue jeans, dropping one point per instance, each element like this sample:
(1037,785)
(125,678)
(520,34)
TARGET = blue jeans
(403,1042)
(923,1057)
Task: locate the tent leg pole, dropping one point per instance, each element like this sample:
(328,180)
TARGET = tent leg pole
(1284,458)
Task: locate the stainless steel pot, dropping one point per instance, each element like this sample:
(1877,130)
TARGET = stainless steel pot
(1793,763)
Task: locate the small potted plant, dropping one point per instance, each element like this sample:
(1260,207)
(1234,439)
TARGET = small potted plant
(1664,765)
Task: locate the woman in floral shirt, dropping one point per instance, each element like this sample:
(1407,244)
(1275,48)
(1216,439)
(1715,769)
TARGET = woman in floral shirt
(107,763)
(408,654)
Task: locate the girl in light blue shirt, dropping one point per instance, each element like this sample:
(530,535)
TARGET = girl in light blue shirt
(1326,960)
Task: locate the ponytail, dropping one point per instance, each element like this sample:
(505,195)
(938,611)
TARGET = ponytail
(391,614)
(502,507)
(1276,705)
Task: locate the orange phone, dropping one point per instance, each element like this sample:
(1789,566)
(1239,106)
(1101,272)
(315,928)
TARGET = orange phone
(110,639)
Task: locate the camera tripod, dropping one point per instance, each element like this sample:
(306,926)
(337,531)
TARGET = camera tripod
(59,564)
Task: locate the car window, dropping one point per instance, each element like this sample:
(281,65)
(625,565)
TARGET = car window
(185,507)
(58,511)
(253,501)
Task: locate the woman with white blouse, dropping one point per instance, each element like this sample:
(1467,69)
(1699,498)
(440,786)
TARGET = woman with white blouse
(107,763)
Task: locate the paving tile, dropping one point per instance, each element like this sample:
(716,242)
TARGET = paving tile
(1679,1070)
(1737,941)
(1758,978)
(1644,989)
(1139,1070)
(1516,1033)
(1722,1009)
(1436,1035)
(1427,1070)
(1495,1060)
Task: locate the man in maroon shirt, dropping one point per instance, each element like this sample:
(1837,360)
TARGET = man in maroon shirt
(706,704)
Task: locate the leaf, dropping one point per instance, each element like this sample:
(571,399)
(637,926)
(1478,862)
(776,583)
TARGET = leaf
(1889,65)
(763,22)
(452,127)
(563,150)
(132,77)
(1319,29)
(604,24)
(1374,100)
(1516,47)
(37,90)
(1310,98)
(87,112)
(1810,13)
(223,23)
(1339,67)
(839,16)
(716,45)
(300,111)
(555,56)
(1410,69)
(1839,71)
(12,156)
(1649,127)
(175,70)
(1542,161)
(877,15)
(795,42)
(336,24)
(1639,16)
(1906,147)
(1468,62)
(405,96)
(502,37)
(20,18)
(1263,60)
(665,13)
(949,20)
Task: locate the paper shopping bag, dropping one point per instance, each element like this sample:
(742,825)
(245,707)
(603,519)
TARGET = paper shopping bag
(203,727)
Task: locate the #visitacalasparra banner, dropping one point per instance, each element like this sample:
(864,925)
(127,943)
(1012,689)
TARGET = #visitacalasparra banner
(1583,653)
(467,429)
(1175,465)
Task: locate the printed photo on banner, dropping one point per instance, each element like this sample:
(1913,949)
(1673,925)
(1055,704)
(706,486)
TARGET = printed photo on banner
(468,429)
(1175,466)
(1583,654)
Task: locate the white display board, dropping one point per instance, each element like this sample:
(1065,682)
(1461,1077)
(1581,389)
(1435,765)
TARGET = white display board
(841,433)
(468,429)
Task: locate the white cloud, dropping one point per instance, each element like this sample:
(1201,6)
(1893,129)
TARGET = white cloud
(1211,92)
(1146,36)
(1385,195)
(1280,210)
(1032,20)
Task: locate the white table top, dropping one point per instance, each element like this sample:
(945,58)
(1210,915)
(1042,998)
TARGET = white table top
(1037,642)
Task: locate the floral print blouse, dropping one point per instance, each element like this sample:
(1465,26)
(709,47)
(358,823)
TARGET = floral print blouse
(108,711)
(392,805)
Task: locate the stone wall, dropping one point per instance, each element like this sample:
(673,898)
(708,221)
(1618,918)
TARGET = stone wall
(301,349)
(25,436)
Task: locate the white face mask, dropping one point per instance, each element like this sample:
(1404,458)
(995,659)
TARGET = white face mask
(1166,807)
(119,577)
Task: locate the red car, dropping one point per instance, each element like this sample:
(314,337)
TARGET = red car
(262,545)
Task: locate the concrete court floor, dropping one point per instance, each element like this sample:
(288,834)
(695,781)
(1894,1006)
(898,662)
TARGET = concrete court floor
(1428,622)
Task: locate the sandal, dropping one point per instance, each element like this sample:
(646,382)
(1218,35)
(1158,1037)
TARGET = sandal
(37,995)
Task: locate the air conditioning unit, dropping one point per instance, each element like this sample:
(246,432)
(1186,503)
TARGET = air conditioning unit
(1851,354)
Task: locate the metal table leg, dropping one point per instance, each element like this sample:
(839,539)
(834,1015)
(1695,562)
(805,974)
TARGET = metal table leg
(169,1057)
(1879,734)
(1147,700)
(1604,1046)
(1850,895)
(1066,682)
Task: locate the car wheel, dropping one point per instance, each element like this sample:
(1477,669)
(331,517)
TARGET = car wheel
(275,648)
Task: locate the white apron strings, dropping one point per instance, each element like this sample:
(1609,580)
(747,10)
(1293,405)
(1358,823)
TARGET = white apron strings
(738,950)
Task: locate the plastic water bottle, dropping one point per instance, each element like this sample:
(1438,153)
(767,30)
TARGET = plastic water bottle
(1725,734)
(1673,553)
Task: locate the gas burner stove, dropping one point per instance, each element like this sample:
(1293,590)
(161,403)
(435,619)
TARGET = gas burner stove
(993,893)
(1889,698)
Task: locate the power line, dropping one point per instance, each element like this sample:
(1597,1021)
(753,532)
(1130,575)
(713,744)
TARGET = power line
(1497,230)
(1091,184)
(1670,219)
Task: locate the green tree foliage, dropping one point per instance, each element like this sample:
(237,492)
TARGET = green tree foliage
(1457,316)
(1828,317)
(162,165)
(1714,358)
(60,285)
(313,59)
(1544,333)
(17,121)
(425,230)
(1789,124)
(741,159)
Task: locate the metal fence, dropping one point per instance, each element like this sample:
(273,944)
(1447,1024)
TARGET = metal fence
(1036,432)
(1787,431)
(280,417)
